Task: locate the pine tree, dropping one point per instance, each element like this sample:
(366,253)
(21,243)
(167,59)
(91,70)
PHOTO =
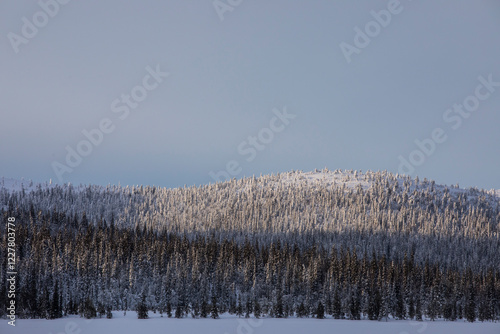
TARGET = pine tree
(239,307)
(470,306)
(278,309)
(400,306)
(301,311)
(248,308)
(168,310)
(355,304)
(109,314)
(256,309)
(337,305)
(418,309)
(89,310)
(204,309)
(433,306)
(375,303)
(142,309)
(214,312)
(44,304)
(101,310)
(320,311)
(55,305)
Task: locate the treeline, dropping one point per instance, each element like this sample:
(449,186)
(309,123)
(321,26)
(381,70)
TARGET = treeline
(453,226)
(91,268)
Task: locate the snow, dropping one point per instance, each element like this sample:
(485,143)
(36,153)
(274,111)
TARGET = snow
(330,178)
(326,178)
(12,185)
(230,324)
(16,185)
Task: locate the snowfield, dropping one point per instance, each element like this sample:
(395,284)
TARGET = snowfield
(228,324)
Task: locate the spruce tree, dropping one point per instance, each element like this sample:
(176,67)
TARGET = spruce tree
(239,307)
(418,309)
(178,311)
(278,307)
(214,312)
(337,305)
(55,305)
(142,309)
(256,309)
(204,309)
(109,314)
(89,311)
(320,311)
(470,306)
(355,304)
(301,310)
(168,310)
(248,308)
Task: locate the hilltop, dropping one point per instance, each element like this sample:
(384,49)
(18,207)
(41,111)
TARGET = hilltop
(342,243)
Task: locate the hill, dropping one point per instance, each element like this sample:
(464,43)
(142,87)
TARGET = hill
(354,245)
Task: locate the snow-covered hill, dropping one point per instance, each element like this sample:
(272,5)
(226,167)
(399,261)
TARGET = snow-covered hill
(319,200)
(349,179)
(311,231)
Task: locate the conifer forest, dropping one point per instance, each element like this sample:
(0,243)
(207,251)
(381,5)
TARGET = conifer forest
(337,244)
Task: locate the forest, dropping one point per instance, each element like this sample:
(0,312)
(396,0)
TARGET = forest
(344,245)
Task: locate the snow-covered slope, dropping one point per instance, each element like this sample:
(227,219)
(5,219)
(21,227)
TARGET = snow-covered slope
(350,179)
(319,200)
(27,185)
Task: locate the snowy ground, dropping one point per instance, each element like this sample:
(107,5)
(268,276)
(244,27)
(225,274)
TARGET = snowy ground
(233,325)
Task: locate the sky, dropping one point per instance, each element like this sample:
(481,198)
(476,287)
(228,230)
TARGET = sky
(174,93)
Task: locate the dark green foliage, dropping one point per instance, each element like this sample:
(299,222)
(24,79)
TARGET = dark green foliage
(256,309)
(374,304)
(89,310)
(168,310)
(248,308)
(278,309)
(43,310)
(320,311)
(195,310)
(214,312)
(470,306)
(301,311)
(109,315)
(204,309)
(101,310)
(71,307)
(106,266)
(433,303)
(418,309)
(142,309)
(239,307)
(178,311)
(337,306)
(400,312)
(355,304)
(55,305)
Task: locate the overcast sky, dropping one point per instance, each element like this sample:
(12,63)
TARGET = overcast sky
(336,84)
